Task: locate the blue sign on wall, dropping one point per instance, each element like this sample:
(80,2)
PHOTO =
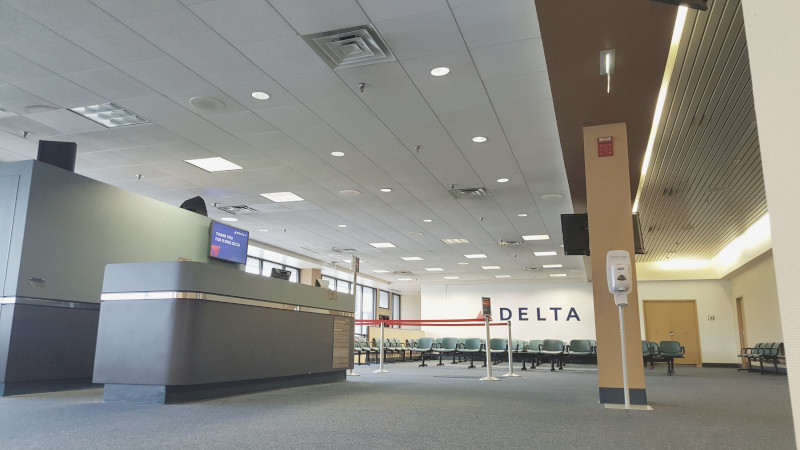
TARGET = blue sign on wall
(228,243)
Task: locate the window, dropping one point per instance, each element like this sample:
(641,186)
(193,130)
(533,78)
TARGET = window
(338,285)
(383,300)
(365,306)
(395,309)
(253,265)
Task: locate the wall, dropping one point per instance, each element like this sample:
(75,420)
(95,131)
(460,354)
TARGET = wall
(410,309)
(756,285)
(75,226)
(719,342)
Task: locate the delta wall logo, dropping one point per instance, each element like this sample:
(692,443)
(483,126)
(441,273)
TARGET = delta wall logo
(554,313)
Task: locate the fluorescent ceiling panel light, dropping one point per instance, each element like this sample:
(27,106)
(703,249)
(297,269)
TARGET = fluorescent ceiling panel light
(463,263)
(427,220)
(411,258)
(380,271)
(502,276)
(522,215)
(260,95)
(215,164)
(451,278)
(479,139)
(536,237)
(229,219)
(551,196)
(348,261)
(382,244)
(475,256)
(386,190)
(440,71)
(263,230)
(490,267)
(434,269)
(342,226)
(337,153)
(455,241)
(558,275)
(404,279)
(552,266)
(109,115)
(503,180)
(680,20)
(545,253)
(282,197)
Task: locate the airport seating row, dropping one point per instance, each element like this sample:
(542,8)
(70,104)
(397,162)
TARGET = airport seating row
(664,351)
(769,352)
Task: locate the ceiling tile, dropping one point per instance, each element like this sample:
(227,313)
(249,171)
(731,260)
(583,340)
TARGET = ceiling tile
(16,68)
(15,24)
(59,15)
(65,121)
(165,75)
(312,16)
(241,123)
(156,108)
(110,83)
(421,35)
(17,101)
(510,59)
(379,10)
(288,117)
(317,87)
(127,8)
(224,64)
(53,52)
(61,92)
(243,21)
(284,58)
(517,16)
(113,42)
(176,31)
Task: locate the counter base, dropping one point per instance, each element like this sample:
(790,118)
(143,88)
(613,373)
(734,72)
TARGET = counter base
(39,386)
(138,393)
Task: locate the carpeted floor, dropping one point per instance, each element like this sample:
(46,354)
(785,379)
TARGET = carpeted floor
(432,407)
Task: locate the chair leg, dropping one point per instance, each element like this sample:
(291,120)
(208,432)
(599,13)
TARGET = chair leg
(422,358)
(454,358)
(471,360)
(523,363)
(440,360)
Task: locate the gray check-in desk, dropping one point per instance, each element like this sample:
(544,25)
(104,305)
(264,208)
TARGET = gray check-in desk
(171,332)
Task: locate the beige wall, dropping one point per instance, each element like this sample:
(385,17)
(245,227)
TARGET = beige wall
(410,309)
(771,28)
(756,285)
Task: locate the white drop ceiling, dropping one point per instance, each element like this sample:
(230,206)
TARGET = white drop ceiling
(407,130)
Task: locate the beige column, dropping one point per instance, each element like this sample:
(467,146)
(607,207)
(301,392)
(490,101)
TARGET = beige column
(608,197)
(308,276)
(772,40)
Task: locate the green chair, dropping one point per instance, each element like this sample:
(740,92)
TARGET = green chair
(579,349)
(448,346)
(669,350)
(771,354)
(471,347)
(497,346)
(534,349)
(648,353)
(553,349)
(424,345)
(360,347)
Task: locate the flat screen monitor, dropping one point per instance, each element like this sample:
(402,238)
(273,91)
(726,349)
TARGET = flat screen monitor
(319,282)
(280,274)
(575,232)
(228,243)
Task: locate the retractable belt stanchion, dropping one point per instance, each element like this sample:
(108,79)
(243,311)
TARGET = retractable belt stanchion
(383,349)
(488,376)
(510,356)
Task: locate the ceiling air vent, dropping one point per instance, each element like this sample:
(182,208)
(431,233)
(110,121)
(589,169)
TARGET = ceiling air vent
(401,272)
(343,250)
(504,243)
(469,193)
(238,209)
(350,47)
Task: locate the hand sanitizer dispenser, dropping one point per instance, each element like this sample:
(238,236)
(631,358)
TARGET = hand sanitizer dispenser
(618,270)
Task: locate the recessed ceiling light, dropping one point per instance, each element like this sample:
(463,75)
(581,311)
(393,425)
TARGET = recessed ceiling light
(502,276)
(455,241)
(544,253)
(263,230)
(380,271)
(427,220)
(382,244)
(404,279)
(348,261)
(282,197)
(536,237)
(479,139)
(411,258)
(342,225)
(558,275)
(215,164)
(475,256)
(490,267)
(451,278)
(440,71)
(434,269)
(551,196)
(349,192)
(503,180)
(415,233)
(337,153)
(552,266)
(463,263)
(522,215)
(386,190)
(108,115)
(260,95)
(229,219)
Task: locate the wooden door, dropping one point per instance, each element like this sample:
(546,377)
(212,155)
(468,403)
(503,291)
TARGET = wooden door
(742,331)
(674,320)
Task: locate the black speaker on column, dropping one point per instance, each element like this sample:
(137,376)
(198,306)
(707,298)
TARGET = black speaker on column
(59,154)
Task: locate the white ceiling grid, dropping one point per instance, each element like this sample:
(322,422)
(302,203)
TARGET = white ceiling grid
(153,56)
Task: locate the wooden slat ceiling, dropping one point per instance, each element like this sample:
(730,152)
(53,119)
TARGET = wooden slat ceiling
(704,185)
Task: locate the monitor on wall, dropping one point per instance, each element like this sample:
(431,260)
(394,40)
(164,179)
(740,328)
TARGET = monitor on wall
(575,232)
(280,274)
(228,243)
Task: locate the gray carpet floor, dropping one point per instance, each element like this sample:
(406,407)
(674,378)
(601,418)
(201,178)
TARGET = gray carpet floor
(431,407)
